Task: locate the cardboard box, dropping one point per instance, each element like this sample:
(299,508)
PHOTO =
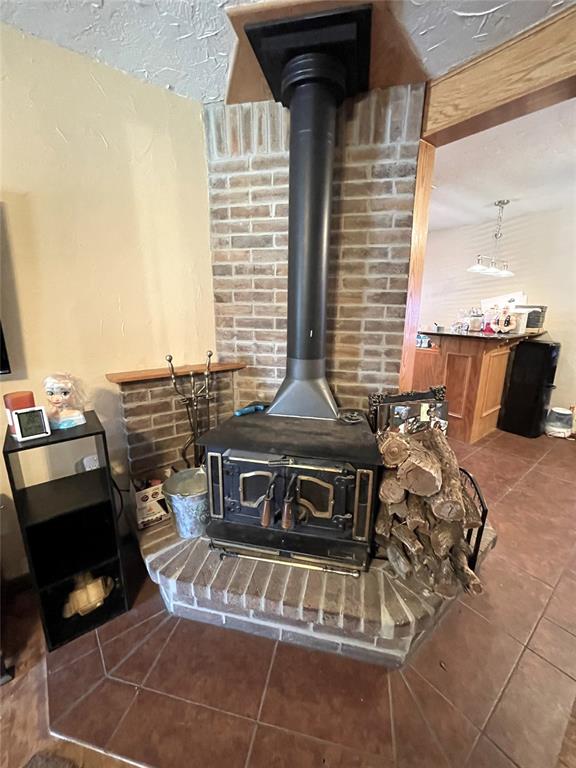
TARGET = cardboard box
(151,507)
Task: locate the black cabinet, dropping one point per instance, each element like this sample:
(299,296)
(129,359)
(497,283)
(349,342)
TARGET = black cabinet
(69,527)
(528,386)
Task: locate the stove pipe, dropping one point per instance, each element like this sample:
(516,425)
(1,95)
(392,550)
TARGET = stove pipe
(313,86)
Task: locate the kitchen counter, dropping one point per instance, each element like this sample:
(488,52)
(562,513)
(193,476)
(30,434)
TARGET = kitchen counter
(481,335)
(473,368)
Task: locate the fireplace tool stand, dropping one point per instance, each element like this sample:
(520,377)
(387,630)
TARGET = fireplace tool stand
(200,391)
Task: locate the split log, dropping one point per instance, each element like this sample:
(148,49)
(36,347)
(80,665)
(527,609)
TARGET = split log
(421,472)
(416,516)
(398,560)
(393,448)
(447,584)
(472,515)
(447,503)
(384,519)
(407,537)
(425,511)
(467,577)
(390,490)
(445,536)
(429,558)
(400,510)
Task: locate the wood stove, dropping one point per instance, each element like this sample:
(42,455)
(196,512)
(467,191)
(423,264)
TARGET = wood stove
(298,490)
(298,482)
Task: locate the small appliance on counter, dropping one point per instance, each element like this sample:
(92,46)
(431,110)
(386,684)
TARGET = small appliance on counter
(536,314)
(528,386)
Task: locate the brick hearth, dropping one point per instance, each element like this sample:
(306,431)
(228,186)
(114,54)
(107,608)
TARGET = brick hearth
(376,617)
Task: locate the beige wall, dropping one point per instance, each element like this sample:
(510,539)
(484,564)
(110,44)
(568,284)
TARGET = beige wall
(541,249)
(105,252)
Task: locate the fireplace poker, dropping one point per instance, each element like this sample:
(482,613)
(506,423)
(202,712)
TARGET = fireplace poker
(287,511)
(266,516)
(191,402)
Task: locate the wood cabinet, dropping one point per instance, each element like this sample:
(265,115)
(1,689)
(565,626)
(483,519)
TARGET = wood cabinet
(473,368)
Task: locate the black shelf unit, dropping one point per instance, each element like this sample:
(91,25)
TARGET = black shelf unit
(69,526)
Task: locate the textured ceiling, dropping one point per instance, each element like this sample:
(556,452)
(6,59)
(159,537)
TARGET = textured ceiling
(185,45)
(531,161)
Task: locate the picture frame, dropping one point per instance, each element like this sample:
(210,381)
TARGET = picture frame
(409,412)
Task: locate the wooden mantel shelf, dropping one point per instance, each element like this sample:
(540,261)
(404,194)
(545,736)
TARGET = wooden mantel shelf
(148,374)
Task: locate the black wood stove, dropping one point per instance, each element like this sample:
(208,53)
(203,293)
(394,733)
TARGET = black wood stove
(298,482)
(293,488)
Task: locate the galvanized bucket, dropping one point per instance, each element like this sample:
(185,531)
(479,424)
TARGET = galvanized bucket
(186,494)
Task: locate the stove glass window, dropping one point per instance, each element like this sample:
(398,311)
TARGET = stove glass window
(253,488)
(315,495)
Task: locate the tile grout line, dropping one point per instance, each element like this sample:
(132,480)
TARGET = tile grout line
(494,551)
(68,663)
(196,703)
(522,477)
(431,730)
(442,695)
(100,751)
(567,674)
(128,629)
(139,644)
(160,652)
(99,644)
(517,663)
(123,717)
(81,698)
(552,621)
(261,705)
(392,723)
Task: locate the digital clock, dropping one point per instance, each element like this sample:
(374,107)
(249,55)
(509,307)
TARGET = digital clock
(30,423)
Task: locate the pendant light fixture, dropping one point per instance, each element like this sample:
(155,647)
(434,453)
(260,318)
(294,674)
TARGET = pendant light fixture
(493,266)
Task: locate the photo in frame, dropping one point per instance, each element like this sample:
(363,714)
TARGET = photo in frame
(409,412)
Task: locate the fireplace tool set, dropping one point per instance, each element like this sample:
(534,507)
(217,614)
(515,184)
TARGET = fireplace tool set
(199,392)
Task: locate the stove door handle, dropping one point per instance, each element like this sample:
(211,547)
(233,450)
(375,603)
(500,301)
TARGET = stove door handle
(266,516)
(287,515)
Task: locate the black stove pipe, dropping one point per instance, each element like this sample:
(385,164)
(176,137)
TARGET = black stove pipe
(313,86)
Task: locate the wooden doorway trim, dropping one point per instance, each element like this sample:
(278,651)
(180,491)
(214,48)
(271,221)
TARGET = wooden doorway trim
(530,72)
(423,189)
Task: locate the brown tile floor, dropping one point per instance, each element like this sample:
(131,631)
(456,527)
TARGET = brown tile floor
(493,687)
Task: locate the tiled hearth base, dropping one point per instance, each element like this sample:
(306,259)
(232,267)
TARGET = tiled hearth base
(375,617)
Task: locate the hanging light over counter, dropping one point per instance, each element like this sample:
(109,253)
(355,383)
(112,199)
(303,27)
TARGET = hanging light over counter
(493,266)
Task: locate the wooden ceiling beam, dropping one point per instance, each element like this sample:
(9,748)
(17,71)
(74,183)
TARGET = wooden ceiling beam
(530,72)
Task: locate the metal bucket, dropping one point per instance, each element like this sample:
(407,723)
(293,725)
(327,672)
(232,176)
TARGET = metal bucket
(186,494)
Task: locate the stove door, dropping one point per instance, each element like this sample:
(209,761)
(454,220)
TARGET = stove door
(315,495)
(254,486)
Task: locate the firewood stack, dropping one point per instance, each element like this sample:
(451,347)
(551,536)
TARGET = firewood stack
(425,511)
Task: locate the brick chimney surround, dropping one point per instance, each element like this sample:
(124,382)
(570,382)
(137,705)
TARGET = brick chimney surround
(375,170)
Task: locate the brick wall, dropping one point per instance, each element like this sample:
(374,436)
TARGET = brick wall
(156,424)
(370,243)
